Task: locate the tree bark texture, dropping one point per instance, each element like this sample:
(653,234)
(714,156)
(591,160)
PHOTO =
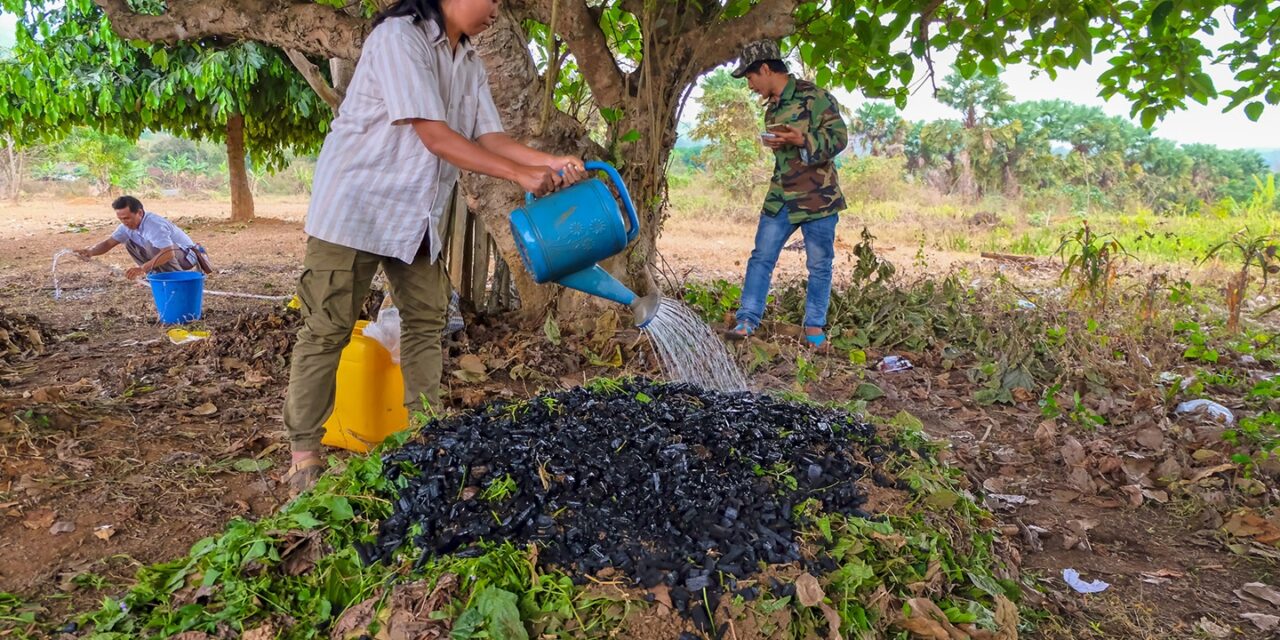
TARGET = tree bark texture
(14,168)
(241,194)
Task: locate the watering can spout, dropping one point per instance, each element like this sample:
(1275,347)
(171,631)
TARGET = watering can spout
(597,282)
(645,309)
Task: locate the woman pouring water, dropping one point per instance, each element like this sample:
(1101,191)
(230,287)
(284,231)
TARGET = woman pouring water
(417,111)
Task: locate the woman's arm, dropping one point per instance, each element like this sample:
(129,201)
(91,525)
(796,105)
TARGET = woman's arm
(448,144)
(504,145)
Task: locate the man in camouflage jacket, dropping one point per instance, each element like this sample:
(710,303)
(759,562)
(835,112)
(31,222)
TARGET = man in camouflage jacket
(806,132)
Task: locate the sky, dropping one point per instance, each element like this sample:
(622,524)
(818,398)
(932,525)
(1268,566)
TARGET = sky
(7,23)
(1197,123)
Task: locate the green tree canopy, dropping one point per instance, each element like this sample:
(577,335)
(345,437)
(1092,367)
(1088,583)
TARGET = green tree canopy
(68,68)
(975,97)
(877,126)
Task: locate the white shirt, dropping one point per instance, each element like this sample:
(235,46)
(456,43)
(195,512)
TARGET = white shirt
(377,188)
(153,235)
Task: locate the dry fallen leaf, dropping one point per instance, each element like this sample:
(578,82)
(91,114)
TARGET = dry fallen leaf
(1248,524)
(1082,481)
(1205,473)
(470,369)
(1072,452)
(104,532)
(1213,629)
(1134,493)
(662,595)
(1151,438)
(1169,470)
(927,621)
(1263,621)
(833,621)
(1064,495)
(1261,591)
(1155,494)
(45,395)
(409,615)
(808,591)
(301,551)
(265,632)
(40,519)
(354,622)
(206,409)
(1137,468)
(1205,455)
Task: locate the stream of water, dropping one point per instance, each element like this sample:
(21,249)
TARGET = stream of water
(690,351)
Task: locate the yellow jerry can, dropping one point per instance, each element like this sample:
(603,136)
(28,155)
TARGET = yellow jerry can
(369,403)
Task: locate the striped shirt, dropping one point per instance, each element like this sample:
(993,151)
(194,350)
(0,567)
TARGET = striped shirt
(153,235)
(377,188)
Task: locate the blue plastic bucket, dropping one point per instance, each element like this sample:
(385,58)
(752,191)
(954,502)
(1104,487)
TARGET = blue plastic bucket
(179,295)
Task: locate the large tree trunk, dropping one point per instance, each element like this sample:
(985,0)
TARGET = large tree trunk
(519,94)
(241,194)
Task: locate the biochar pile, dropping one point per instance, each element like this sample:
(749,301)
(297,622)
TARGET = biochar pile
(664,483)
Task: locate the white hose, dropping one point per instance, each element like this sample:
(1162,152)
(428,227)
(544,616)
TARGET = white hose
(57,290)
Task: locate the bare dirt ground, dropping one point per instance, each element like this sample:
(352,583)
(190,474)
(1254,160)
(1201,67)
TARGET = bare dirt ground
(119,449)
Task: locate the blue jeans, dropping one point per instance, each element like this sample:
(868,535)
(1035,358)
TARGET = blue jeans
(820,251)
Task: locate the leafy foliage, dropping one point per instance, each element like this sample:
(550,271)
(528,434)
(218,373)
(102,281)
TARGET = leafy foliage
(1155,54)
(976,97)
(878,128)
(1256,253)
(68,68)
(1092,261)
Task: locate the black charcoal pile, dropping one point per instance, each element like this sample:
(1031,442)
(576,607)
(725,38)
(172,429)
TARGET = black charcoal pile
(666,484)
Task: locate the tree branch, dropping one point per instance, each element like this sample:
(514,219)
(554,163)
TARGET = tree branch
(311,73)
(768,19)
(308,27)
(580,29)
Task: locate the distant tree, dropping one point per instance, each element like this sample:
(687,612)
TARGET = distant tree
(879,128)
(108,159)
(730,121)
(974,97)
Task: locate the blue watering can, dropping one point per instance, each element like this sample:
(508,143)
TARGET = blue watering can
(563,235)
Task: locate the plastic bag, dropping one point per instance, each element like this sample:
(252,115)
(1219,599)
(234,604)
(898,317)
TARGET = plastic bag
(386,331)
(1213,410)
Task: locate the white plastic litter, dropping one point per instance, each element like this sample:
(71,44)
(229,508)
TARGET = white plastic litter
(891,364)
(1215,411)
(1072,578)
(386,331)
(1169,377)
(1006,501)
(1026,304)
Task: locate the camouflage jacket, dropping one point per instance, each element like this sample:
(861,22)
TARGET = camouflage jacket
(804,178)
